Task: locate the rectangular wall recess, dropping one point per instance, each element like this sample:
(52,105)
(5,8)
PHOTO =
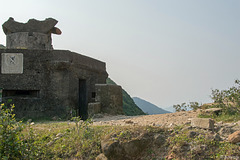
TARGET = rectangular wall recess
(21,93)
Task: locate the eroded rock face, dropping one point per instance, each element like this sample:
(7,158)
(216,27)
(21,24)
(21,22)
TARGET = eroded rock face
(131,149)
(31,35)
(33,25)
(112,150)
(235,137)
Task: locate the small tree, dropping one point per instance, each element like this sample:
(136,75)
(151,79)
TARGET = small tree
(185,107)
(180,107)
(228,99)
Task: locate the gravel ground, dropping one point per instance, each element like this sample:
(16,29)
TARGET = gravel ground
(167,120)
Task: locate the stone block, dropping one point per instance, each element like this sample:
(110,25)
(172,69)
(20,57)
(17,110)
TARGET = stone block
(235,137)
(205,123)
(12,63)
(26,40)
(94,108)
(110,97)
(211,111)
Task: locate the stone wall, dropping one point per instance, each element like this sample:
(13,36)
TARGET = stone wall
(110,97)
(49,84)
(34,34)
(26,40)
(94,108)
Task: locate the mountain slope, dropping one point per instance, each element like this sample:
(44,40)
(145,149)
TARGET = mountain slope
(170,109)
(2,46)
(129,107)
(148,107)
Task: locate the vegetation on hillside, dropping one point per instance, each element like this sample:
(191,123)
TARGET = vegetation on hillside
(129,107)
(148,107)
(81,140)
(2,46)
(228,100)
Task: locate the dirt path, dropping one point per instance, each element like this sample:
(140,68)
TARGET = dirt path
(167,120)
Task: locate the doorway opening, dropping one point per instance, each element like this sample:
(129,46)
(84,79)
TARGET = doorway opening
(83,108)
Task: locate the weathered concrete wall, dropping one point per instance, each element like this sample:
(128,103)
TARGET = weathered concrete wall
(94,108)
(26,40)
(110,97)
(34,34)
(49,84)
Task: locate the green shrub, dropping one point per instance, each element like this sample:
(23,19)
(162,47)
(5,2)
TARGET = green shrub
(15,145)
(185,107)
(228,100)
(11,142)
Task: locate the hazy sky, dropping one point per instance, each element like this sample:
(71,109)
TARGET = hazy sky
(166,52)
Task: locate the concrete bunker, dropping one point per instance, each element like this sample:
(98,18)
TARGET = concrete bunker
(47,83)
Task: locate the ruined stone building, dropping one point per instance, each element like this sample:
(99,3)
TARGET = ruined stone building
(46,83)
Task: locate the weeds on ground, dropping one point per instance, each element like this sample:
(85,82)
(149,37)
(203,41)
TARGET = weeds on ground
(200,146)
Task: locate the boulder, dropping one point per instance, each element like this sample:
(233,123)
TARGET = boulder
(133,148)
(130,149)
(159,139)
(101,157)
(235,137)
(213,110)
(112,149)
(205,123)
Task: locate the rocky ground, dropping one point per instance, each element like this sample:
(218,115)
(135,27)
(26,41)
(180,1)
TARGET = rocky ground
(197,138)
(165,120)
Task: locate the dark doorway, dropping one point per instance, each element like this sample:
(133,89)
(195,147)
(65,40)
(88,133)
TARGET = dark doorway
(83,111)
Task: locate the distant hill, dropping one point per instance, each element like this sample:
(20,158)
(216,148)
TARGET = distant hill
(148,107)
(170,109)
(129,107)
(2,46)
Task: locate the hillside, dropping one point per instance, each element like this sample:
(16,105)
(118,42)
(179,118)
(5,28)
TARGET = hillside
(170,109)
(129,107)
(148,107)
(203,133)
(179,135)
(2,46)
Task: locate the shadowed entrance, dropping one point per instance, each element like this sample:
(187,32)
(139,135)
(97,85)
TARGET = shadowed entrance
(83,112)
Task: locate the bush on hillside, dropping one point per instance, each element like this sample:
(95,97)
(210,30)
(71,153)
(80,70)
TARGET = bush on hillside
(10,134)
(228,100)
(2,46)
(185,106)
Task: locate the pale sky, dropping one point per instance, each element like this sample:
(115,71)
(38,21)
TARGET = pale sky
(164,51)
